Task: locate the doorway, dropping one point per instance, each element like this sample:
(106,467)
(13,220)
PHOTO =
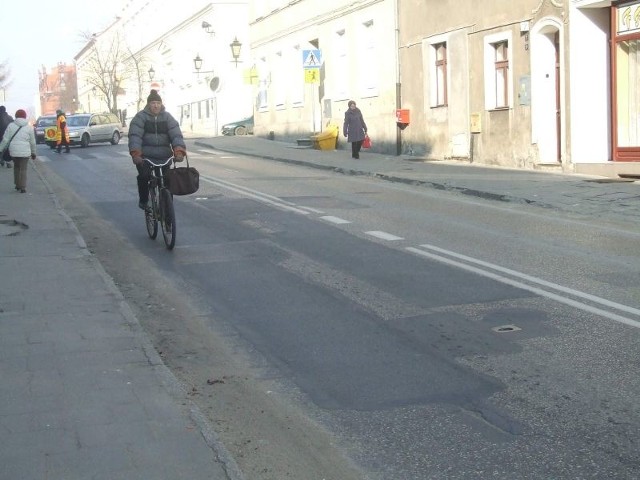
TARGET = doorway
(546,89)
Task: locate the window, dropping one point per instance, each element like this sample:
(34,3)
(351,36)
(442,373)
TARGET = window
(368,60)
(263,85)
(628,100)
(502,74)
(279,81)
(497,72)
(341,70)
(440,50)
(296,88)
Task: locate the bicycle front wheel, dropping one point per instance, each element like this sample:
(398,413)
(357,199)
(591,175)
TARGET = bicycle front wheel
(168,218)
(150,214)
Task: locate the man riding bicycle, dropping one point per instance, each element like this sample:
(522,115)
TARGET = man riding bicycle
(156,135)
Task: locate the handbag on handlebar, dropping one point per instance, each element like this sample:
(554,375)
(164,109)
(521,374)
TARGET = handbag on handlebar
(183,180)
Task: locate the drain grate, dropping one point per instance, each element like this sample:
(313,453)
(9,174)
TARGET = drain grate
(506,329)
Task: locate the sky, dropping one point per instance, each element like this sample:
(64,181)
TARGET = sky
(33,36)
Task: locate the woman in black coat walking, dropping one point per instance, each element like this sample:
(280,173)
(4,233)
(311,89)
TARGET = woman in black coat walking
(354,128)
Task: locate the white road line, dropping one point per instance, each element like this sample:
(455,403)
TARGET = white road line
(383,235)
(336,220)
(539,281)
(524,286)
(312,210)
(208,150)
(259,196)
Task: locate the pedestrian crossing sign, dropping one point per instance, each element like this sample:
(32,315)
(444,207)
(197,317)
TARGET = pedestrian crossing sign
(311,75)
(311,58)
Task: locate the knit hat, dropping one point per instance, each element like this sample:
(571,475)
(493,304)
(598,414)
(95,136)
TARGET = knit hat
(21,114)
(154,97)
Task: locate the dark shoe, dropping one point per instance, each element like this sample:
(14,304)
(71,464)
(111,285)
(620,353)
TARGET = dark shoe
(67,151)
(22,190)
(8,164)
(17,187)
(59,151)
(143,205)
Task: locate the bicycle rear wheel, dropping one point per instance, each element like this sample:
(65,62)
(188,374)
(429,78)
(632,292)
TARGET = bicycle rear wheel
(168,218)
(150,214)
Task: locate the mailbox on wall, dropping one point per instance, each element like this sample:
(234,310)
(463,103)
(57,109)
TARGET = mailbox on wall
(402,118)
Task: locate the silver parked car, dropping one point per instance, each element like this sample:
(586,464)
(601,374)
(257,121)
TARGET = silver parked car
(86,128)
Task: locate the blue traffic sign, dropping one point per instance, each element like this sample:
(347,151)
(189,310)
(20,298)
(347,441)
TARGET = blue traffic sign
(311,58)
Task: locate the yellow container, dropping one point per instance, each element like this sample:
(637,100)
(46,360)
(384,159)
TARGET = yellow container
(326,140)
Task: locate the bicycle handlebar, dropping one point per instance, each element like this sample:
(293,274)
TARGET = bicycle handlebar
(153,164)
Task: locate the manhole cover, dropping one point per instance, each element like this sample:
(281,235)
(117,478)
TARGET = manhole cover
(11,227)
(506,329)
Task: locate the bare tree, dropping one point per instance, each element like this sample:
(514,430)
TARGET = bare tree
(136,63)
(5,77)
(112,65)
(107,69)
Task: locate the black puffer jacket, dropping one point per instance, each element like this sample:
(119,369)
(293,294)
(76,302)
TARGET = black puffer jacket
(5,120)
(155,137)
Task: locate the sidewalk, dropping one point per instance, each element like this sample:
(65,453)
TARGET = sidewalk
(577,194)
(83,393)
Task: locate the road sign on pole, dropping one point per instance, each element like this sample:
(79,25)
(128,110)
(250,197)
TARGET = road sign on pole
(311,75)
(311,58)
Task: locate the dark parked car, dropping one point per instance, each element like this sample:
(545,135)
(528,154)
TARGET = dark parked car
(240,127)
(41,123)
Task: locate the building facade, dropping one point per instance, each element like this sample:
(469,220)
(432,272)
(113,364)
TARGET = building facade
(605,86)
(485,88)
(528,84)
(311,57)
(524,83)
(58,89)
(157,45)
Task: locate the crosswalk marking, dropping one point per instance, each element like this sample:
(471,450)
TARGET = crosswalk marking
(383,235)
(336,220)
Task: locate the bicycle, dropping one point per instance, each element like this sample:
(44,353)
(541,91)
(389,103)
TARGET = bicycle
(160,209)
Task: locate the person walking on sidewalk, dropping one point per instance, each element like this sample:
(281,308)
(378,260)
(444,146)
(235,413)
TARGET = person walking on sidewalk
(156,135)
(354,128)
(5,120)
(62,132)
(20,140)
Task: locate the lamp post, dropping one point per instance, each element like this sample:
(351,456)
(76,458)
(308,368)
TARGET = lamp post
(152,73)
(197,64)
(92,93)
(236,46)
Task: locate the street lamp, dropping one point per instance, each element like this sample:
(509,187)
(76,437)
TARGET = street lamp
(235,50)
(151,72)
(197,64)
(89,95)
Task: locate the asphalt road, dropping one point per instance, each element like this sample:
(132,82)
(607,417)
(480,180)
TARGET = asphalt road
(342,327)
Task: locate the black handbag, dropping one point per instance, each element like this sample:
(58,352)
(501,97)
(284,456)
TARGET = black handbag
(183,180)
